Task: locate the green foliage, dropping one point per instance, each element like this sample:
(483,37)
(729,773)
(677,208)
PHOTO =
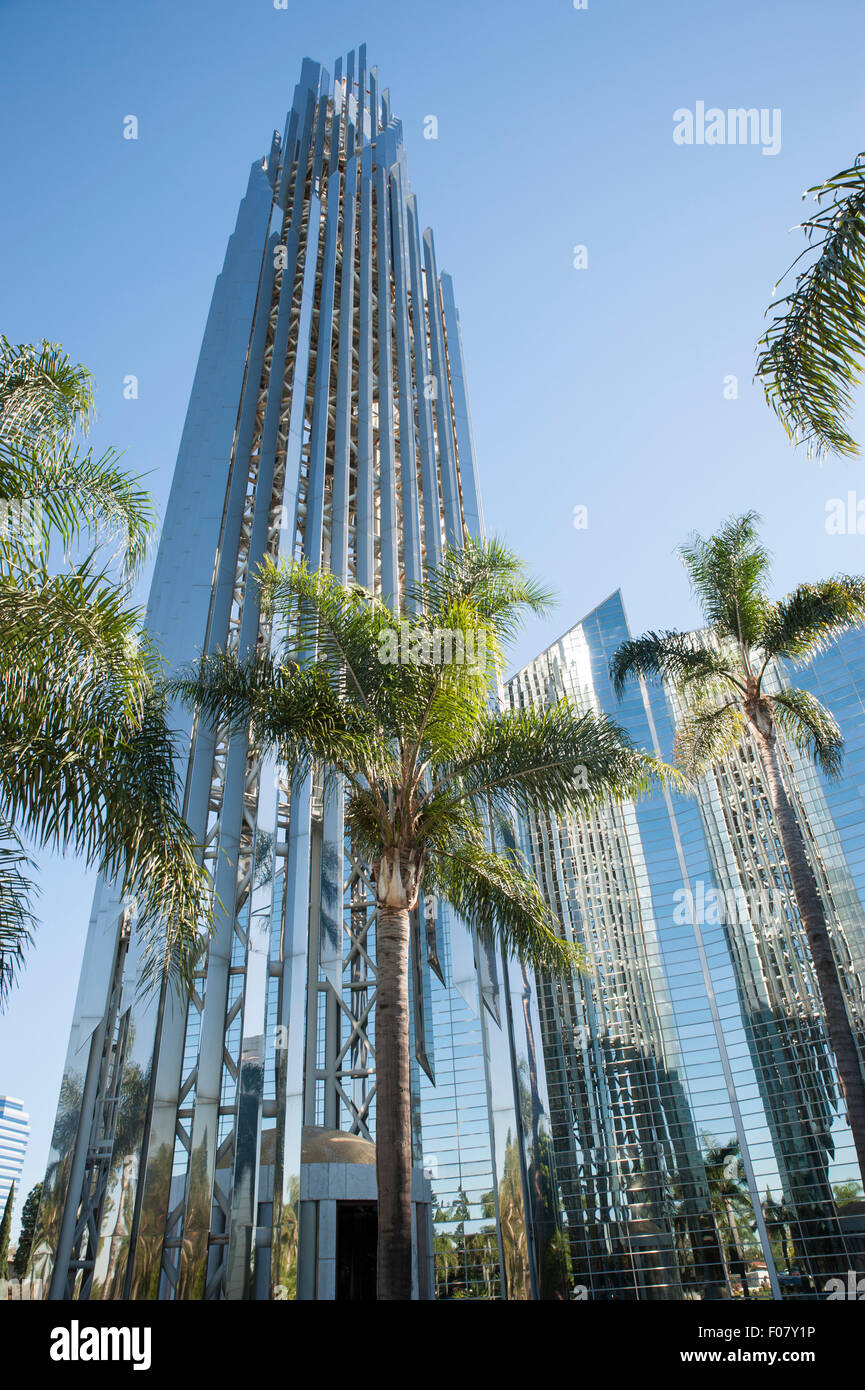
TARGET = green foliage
(810,727)
(45,399)
(86,753)
(708,732)
(5,1231)
(810,619)
(428,763)
(16,915)
(29,1214)
(844,1192)
(723,680)
(673,656)
(810,357)
(728,573)
(43,393)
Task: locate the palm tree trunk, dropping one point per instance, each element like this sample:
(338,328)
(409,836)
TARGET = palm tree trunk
(393,1104)
(810,906)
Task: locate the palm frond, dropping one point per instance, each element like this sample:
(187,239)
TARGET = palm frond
(810,727)
(43,393)
(810,357)
(344,629)
(673,656)
(813,616)
(729,573)
(145,842)
(17,920)
(486,577)
(497,894)
(293,710)
(84,605)
(409,673)
(556,761)
(76,494)
(708,732)
(87,761)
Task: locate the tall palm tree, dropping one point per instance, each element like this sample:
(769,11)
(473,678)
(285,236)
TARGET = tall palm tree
(87,760)
(726,681)
(778,1223)
(732,1205)
(427,765)
(810,357)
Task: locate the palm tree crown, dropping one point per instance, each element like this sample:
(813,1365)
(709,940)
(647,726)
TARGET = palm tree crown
(810,357)
(432,771)
(87,761)
(431,766)
(725,672)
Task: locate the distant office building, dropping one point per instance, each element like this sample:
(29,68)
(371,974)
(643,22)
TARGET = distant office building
(14,1134)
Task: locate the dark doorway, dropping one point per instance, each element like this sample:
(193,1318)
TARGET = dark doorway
(356,1237)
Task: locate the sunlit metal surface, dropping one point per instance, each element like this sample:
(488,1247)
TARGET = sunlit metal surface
(328,419)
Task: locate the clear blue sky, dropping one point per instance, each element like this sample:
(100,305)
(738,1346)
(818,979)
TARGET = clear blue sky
(601,387)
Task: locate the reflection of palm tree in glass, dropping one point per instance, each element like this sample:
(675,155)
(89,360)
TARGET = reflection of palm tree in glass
(734,1212)
(54,1185)
(512,1223)
(127,1137)
(549,1242)
(466,1261)
(285,1279)
(145,1273)
(778,1221)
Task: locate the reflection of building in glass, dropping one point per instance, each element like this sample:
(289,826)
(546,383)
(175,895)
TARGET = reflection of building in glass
(201,1152)
(696,1127)
(774,977)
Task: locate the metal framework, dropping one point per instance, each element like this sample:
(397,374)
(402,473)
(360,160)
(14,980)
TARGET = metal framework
(328,421)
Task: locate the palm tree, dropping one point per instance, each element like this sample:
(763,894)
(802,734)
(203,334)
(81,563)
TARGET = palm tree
(732,1205)
(778,1222)
(726,680)
(809,359)
(87,760)
(131,1110)
(428,766)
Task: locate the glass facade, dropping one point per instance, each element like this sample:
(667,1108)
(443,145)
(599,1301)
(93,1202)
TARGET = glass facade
(328,420)
(700,1148)
(663,1125)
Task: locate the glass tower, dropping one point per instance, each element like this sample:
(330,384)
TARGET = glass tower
(699,1146)
(663,1125)
(328,420)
